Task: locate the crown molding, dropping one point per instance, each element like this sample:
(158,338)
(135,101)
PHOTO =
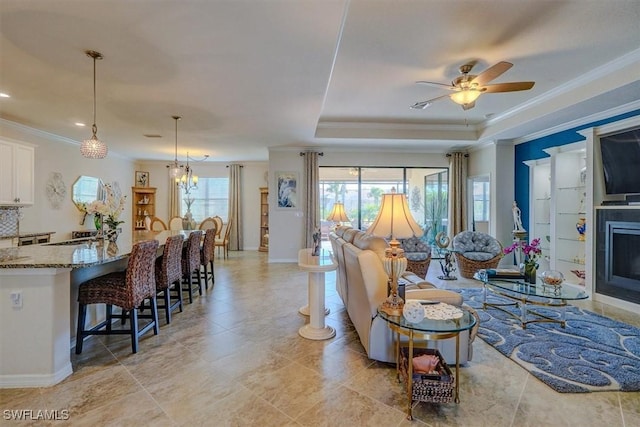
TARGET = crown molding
(602,115)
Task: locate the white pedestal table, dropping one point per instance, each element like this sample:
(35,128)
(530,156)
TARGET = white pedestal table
(316,266)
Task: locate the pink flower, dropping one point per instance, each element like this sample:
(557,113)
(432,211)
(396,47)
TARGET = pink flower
(531,250)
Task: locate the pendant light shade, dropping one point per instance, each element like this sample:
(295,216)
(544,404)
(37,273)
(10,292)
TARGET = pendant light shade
(175,170)
(93,148)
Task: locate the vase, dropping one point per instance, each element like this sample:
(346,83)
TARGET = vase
(530,273)
(581,226)
(97,221)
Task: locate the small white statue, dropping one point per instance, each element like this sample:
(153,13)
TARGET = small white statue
(517,220)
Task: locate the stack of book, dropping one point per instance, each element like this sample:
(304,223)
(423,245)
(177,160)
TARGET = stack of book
(504,273)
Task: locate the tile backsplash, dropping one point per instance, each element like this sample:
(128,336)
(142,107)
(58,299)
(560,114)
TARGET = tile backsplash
(9,220)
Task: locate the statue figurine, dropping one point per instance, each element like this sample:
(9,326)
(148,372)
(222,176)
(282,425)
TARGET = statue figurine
(517,220)
(316,242)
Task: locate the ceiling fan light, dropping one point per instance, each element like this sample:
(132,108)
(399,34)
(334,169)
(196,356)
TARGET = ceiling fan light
(466,96)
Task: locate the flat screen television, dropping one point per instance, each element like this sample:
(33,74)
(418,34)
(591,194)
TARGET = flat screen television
(621,162)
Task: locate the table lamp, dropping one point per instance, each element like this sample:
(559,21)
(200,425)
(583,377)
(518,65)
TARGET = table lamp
(337,214)
(394,221)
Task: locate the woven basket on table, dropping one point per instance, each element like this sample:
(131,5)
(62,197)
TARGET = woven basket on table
(435,388)
(468,267)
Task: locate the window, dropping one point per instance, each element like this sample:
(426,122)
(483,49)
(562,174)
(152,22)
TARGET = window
(211,198)
(360,189)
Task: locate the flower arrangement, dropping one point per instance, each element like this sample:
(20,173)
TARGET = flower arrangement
(109,209)
(531,251)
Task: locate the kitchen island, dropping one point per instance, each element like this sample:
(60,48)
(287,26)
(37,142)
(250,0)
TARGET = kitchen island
(38,308)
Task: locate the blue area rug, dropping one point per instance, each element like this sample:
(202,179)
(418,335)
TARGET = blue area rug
(593,353)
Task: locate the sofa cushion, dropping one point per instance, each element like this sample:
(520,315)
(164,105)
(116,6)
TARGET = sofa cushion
(475,241)
(366,241)
(478,256)
(416,256)
(414,244)
(350,234)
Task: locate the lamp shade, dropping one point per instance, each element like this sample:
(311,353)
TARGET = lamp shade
(465,96)
(394,219)
(337,213)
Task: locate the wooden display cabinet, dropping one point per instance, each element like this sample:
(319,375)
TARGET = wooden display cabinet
(264,219)
(143,204)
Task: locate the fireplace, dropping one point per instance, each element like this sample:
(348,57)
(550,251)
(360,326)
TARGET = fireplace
(618,254)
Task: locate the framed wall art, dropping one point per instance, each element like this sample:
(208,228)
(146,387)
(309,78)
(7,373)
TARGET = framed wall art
(142,179)
(287,185)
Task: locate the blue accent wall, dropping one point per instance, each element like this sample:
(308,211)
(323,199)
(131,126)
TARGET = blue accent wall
(532,150)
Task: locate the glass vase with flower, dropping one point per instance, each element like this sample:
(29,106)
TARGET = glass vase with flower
(532,252)
(107,212)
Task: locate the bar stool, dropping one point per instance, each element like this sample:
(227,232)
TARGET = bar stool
(169,274)
(126,289)
(207,253)
(191,263)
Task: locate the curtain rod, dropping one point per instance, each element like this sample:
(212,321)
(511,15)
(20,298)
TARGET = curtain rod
(232,165)
(450,154)
(302,153)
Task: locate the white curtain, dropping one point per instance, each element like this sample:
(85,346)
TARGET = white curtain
(235,207)
(457,192)
(174,198)
(312,206)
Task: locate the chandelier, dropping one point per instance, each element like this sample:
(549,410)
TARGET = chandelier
(188,181)
(93,148)
(182,174)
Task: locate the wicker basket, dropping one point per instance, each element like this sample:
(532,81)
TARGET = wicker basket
(419,268)
(468,267)
(434,388)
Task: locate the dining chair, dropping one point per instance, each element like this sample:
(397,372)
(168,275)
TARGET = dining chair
(207,223)
(219,223)
(206,256)
(126,289)
(222,242)
(175,223)
(191,263)
(157,224)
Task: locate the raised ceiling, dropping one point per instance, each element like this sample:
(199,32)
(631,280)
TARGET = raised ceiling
(254,74)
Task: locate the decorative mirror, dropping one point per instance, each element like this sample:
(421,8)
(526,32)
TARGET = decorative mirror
(85,190)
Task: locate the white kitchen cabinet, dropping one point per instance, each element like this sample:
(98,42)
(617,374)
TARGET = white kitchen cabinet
(16,174)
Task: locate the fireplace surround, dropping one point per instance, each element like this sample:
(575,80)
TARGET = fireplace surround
(618,253)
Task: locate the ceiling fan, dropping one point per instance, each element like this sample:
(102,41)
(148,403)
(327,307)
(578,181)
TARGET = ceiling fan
(468,87)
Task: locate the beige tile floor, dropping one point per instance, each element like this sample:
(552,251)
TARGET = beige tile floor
(234,357)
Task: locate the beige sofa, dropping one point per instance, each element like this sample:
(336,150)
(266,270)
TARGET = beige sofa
(361,282)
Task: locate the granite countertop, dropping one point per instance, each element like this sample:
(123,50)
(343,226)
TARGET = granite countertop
(28,234)
(79,253)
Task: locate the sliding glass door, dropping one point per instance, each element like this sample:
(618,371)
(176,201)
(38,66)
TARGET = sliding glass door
(360,189)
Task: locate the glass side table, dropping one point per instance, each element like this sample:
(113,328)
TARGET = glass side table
(430,330)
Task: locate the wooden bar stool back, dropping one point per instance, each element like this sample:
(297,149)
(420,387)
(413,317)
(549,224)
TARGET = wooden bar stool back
(169,274)
(125,289)
(191,263)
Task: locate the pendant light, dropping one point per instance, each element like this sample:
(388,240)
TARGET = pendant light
(175,170)
(93,148)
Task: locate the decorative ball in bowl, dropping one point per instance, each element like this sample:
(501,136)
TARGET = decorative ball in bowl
(413,311)
(552,278)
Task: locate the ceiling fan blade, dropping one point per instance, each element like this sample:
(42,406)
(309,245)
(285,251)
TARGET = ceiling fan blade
(469,105)
(440,85)
(508,87)
(491,73)
(424,104)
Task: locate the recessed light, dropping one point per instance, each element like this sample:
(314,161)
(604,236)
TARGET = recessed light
(80,124)
(4,95)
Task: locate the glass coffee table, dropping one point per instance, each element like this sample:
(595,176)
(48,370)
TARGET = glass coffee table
(526,295)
